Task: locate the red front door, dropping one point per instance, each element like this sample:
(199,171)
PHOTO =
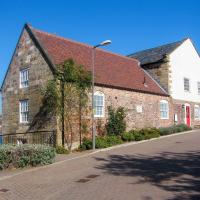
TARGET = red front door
(188,115)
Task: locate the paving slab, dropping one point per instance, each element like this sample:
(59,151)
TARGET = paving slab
(167,168)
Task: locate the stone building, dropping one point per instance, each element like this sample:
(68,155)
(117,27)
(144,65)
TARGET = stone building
(176,67)
(119,81)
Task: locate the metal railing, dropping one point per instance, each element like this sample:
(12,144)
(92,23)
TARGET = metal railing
(36,137)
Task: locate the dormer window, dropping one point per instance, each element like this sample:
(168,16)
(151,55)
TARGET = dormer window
(24,78)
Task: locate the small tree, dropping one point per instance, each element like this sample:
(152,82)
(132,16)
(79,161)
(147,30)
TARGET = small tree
(67,97)
(116,123)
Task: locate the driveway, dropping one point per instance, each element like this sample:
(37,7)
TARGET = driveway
(167,169)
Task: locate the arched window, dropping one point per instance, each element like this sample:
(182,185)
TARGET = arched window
(164,109)
(99,103)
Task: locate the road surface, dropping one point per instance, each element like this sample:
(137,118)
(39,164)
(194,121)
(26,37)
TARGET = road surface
(163,169)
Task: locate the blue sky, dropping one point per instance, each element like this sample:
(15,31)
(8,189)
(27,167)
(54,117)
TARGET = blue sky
(132,25)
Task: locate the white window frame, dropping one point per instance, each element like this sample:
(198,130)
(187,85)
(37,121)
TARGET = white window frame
(98,93)
(198,87)
(184,84)
(197,117)
(167,110)
(24,83)
(24,111)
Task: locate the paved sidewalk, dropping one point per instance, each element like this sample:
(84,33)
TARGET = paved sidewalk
(59,158)
(167,168)
(75,155)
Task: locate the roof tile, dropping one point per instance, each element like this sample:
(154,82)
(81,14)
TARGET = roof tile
(111,69)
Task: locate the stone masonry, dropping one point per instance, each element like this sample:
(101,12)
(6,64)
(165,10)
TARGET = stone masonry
(161,72)
(143,109)
(26,55)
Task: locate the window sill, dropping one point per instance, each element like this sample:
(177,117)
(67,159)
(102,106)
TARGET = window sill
(23,87)
(24,123)
(97,116)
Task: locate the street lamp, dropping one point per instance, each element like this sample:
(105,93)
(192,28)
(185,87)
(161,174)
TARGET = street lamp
(104,43)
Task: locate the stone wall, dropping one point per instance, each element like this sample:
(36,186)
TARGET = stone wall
(148,114)
(161,72)
(26,55)
(143,110)
(133,102)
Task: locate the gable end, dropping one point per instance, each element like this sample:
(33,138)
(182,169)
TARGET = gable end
(37,44)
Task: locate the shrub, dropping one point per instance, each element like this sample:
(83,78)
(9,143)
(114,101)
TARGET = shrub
(149,133)
(116,124)
(61,150)
(86,144)
(183,127)
(174,129)
(138,136)
(164,131)
(107,141)
(128,136)
(25,155)
(113,140)
(101,142)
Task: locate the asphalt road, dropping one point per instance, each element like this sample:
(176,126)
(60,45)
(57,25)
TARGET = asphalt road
(167,169)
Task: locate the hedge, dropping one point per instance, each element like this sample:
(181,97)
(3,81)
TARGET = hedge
(61,150)
(101,142)
(143,134)
(174,129)
(25,155)
(132,135)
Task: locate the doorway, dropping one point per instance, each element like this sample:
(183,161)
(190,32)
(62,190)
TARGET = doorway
(187,115)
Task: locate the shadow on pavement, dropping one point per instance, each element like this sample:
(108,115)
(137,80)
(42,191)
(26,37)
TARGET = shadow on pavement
(178,173)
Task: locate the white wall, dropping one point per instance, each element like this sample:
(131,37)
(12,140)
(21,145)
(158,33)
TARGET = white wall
(185,62)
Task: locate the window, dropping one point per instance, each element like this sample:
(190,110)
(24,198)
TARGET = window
(186,84)
(164,109)
(98,104)
(24,78)
(24,111)
(198,87)
(196,112)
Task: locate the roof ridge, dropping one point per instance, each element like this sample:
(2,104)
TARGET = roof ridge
(80,43)
(180,41)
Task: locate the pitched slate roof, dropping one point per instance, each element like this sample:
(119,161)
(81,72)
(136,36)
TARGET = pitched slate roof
(112,70)
(155,54)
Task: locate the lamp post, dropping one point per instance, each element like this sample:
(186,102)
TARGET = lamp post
(104,43)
